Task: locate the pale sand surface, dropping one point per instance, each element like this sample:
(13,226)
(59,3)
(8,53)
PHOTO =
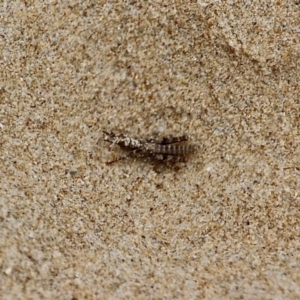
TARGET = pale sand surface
(224,225)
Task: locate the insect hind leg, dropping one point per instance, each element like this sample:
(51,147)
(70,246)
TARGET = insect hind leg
(173,140)
(168,140)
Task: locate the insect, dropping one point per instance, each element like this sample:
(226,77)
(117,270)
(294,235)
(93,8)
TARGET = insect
(167,149)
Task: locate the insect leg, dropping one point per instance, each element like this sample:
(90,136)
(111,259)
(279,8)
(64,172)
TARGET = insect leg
(174,139)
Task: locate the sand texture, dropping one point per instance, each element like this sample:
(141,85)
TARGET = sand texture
(225,224)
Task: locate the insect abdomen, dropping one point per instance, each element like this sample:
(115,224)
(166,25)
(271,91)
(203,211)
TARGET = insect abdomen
(173,149)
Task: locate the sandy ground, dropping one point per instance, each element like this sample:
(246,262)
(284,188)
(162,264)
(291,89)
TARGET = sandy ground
(224,224)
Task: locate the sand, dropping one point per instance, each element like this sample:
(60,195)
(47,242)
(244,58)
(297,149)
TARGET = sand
(224,224)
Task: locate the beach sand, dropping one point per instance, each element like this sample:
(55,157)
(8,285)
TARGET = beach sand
(224,224)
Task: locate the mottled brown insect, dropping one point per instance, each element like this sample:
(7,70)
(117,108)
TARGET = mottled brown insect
(167,149)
